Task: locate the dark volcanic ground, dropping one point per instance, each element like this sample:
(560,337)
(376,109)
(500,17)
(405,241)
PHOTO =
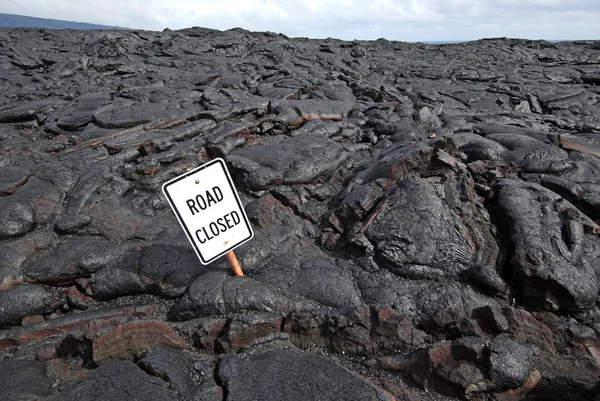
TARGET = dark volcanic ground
(425,216)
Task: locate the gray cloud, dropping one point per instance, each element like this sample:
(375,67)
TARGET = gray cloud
(408,20)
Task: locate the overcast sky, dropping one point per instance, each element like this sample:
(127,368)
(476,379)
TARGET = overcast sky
(407,20)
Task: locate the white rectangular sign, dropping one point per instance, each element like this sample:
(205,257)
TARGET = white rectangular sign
(209,210)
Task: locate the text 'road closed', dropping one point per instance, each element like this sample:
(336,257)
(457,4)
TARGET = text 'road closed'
(209,210)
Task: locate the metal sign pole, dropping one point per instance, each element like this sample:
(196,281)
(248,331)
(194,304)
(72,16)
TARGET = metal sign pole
(237,269)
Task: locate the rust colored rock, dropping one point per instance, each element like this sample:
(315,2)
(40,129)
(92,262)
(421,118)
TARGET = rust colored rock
(425,361)
(351,331)
(246,328)
(489,170)
(329,240)
(12,179)
(140,311)
(525,328)
(75,298)
(439,353)
(391,363)
(46,354)
(90,324)
(9,283)
(202,332)
(393,332)
(455,377)
(306,329)
(450,324)
(86,284)
(593,347)
(64,372)
(129,339)
(470,366)
(471,349)
(580,144)
(352,340)
(27,320)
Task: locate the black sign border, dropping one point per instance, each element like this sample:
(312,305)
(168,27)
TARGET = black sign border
(181,221)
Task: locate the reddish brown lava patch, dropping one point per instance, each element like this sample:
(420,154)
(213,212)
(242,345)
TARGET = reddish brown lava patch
(565,144)
(127,340)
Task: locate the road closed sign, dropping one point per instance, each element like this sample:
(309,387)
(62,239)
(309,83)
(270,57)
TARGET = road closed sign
(209,210)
